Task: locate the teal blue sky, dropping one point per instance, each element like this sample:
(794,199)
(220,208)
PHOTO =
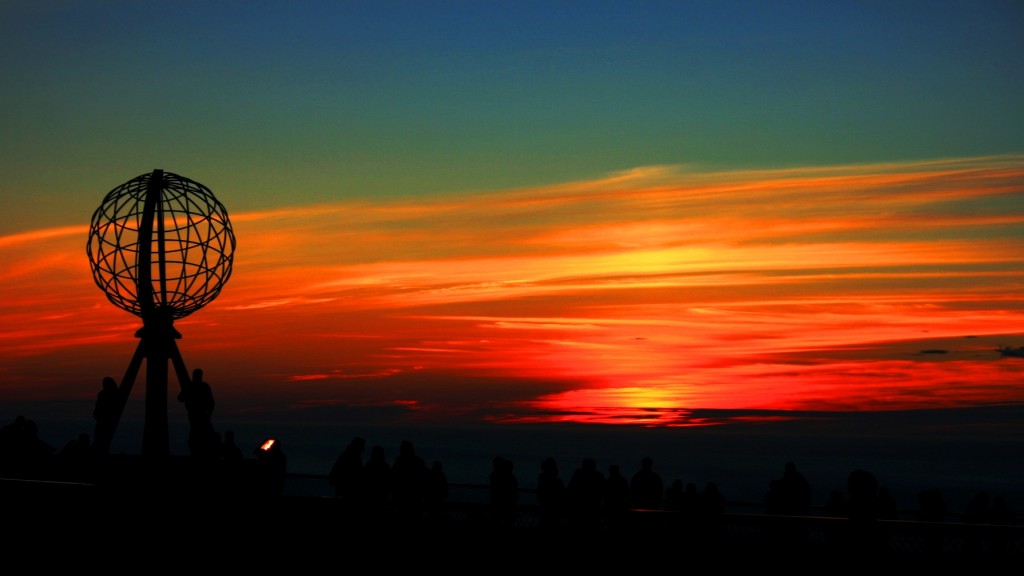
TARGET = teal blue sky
(290,103)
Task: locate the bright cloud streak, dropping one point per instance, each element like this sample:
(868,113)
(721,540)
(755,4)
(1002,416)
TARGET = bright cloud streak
(636,297)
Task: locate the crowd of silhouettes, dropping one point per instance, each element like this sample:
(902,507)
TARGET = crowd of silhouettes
(22,450)
(379,492)
(409,491)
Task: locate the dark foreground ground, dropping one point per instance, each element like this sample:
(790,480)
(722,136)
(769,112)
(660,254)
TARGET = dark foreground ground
(139,522)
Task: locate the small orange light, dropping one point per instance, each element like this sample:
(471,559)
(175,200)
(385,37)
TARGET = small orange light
(267,444)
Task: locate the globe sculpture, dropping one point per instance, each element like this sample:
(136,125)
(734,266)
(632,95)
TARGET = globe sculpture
(161,247)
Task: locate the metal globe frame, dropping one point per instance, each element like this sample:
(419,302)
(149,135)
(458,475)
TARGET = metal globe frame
(175,225)
(161,247)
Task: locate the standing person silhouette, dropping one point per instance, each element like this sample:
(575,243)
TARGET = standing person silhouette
(377,484)
(585,496)
(410,477)
(550,494)
(198,398)
(229,450)
(106,413)
(646,487)
(437,494)
(616,498)
(346,475)
(504,493)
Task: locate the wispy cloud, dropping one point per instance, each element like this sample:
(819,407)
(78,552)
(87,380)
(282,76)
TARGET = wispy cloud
(659,288)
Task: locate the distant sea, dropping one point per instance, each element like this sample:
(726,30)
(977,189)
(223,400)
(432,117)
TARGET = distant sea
(958,451)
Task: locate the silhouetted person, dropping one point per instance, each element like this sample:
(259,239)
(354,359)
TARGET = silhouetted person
(684,500)
(710,518)
(864,534)
(795,498)
(976,512)
(862,492)
(77,449)
(691,502)
(198,398)
(346,475)
(76,458)
(550,494)
(585,496)
(931,507)
(835,507)
(106,412)
(1000,514)
(437,492)
(789,495)
(794,492)
(23,452)
(377,483)
(674,496)
(10,438)
(409,475)
(646,487)
(616,498)
(229,449)
(231,467)
(503,493)
(885,505)
(773,504)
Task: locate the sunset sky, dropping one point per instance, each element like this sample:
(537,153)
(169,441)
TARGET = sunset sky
(528,211)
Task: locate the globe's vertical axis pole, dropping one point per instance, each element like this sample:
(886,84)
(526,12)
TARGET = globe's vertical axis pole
(155,436)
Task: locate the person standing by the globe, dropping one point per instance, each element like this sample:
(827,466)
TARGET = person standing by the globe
(198,398)
(106,412)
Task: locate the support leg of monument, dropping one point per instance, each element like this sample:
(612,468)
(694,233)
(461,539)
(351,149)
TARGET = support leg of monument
(131,374)
(104,433)
(155,438)
(179,365)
